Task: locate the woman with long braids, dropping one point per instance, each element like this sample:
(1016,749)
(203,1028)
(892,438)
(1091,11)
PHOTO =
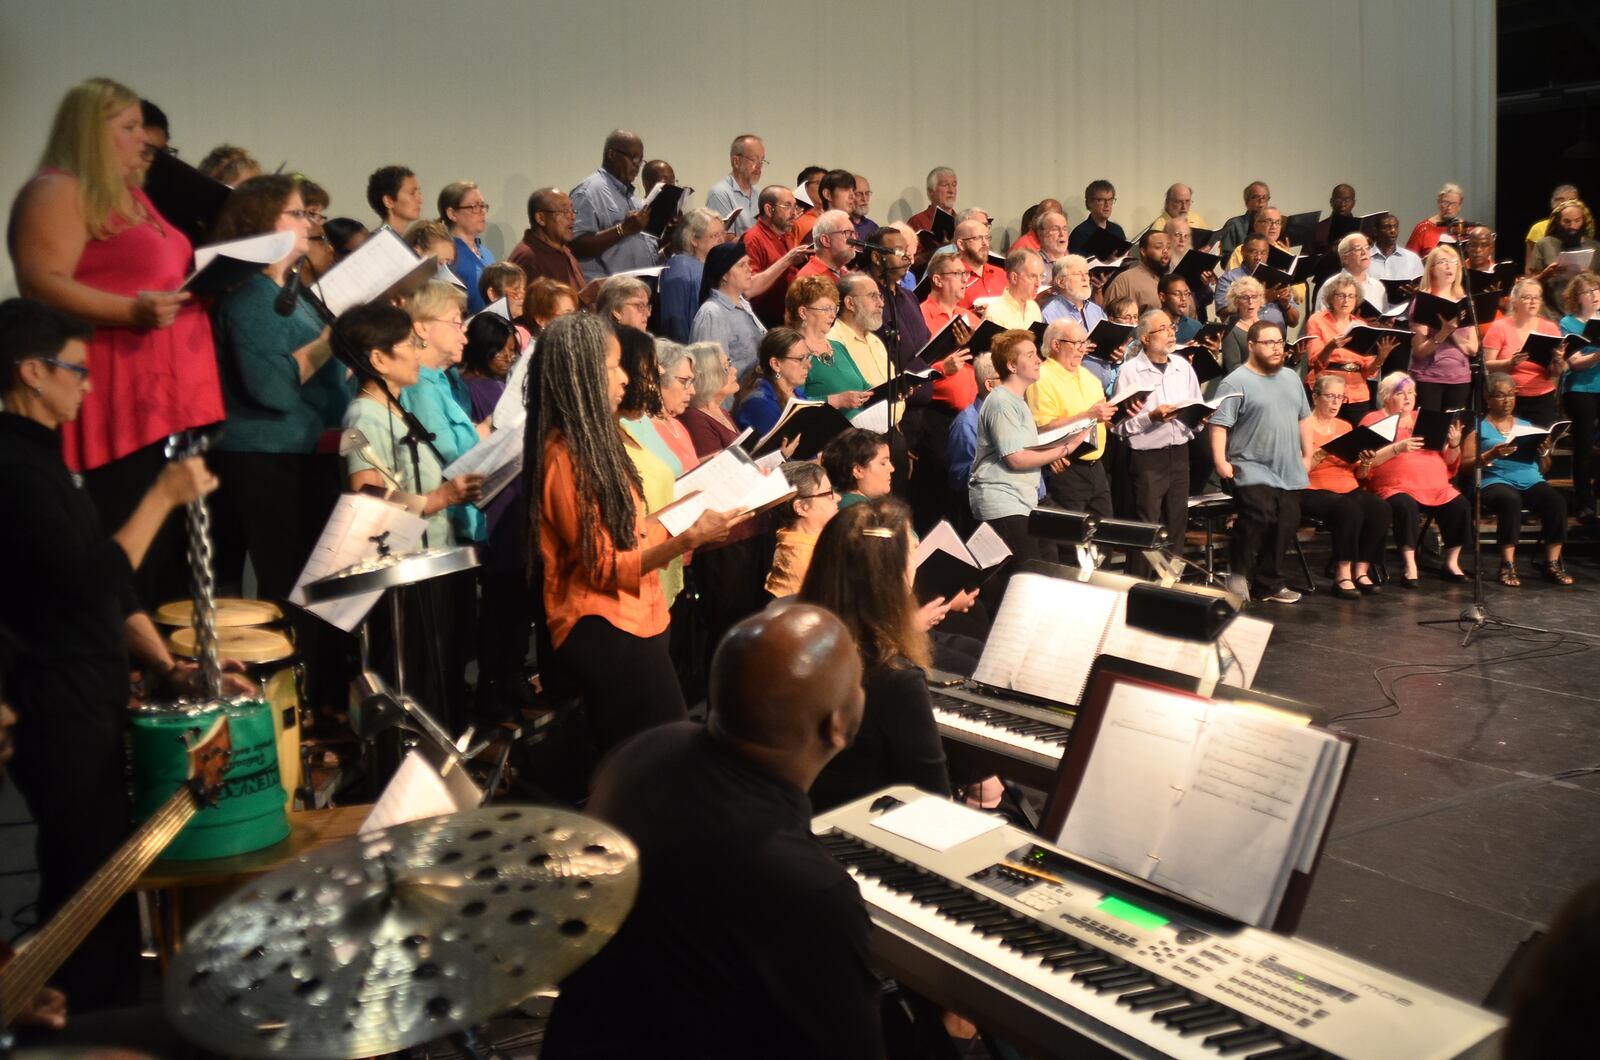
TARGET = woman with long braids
(596,556)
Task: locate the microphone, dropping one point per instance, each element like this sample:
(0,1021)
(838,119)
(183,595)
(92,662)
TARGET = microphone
(284,304)
(878,247)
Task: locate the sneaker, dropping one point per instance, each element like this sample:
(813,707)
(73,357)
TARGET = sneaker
(1284,595)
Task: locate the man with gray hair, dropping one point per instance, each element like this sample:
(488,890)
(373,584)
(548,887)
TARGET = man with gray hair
(1067,392)
(984,279)
(1158,442)
(545,249)
(832,233)
(608,233)
(1179,197)
(860,315)
(1355,255)
(747,157)
(941,199)
(1015,307)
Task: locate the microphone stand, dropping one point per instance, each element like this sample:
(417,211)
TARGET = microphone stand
(891,332)
(1476,616)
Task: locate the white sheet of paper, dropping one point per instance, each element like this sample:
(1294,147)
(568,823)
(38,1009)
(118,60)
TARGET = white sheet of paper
(417,792)
(1575,261)
(1046,636)
(1058,434)
(1124,389)
(371,269)
(356,518)
(936,823)
(771,461)
(500,307)
(987,547)
(498,458)
(263,249)
(942,537)
(729,481)
(653,270)
(1132,779)
(1386,427)
(510,411)
(875,417)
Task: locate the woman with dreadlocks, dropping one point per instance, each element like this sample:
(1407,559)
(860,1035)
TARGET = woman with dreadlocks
(597,556)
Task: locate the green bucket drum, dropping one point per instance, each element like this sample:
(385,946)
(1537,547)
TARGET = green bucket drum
(249,813)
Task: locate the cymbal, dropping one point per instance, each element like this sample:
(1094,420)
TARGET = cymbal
(385,941)
(387,572)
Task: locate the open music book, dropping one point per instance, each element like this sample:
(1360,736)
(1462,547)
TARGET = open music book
(1050,630)
(381,267)
(815,423)
(498,458)
(1217,802)
(221,266)
(729,481)
(946,565)
(346,540)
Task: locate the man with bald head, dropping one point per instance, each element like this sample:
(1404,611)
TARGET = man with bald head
(983,278)
(737,191)
(608,232)
(1179,198)
(775,263)
(745,930)
(544,250)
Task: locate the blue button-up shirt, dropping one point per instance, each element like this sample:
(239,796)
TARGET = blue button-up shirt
(734,326)
(679,294)
(602,201)
(470,260)
(726,194)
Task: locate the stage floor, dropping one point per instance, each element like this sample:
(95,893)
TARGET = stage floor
(1472,812)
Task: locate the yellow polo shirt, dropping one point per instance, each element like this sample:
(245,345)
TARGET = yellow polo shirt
(870,357)
(1010,313)
(1061,393)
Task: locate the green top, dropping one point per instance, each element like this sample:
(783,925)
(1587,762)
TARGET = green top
(826,379)
(847,499)
(269,409)
(384,428)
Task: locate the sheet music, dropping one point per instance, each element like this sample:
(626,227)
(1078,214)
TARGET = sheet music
(500,307)
(356,518)
(263,250)
(937,823)
(1131,783)
(1245,644)
(416,792)
(652,270)
(986,547)
(510,411)
(372,268)
(1236,831)
(498,458)
(1575,261)
(728,481)
(942,537)
(1046,636)
(875,417)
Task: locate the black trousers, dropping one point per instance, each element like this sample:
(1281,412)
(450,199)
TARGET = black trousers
(1541,498)
(1262,532)
(282,501)
(1452,519)
(1081,487)
(505,629)
(927,433)
(1160,494)
(1441,396)
(1357,522)
(1540,411)
(1013,530)
(116,489)
(72,779)
(1120,474)
(731,579)
(1584,409)
(627,682)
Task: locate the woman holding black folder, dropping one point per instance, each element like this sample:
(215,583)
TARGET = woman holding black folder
(1357,521)
(1415,480)
(1441,354)
(1513,479)
(1327,334)
(1503,352)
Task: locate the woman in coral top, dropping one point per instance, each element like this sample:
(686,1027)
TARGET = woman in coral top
(1503,352)
(1357,521)
(597,555)
(86,239)
(1415,480)
(1327,333)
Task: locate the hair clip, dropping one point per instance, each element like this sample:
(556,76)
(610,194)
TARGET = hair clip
(877,531)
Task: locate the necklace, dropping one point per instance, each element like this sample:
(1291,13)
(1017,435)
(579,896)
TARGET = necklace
(826,356)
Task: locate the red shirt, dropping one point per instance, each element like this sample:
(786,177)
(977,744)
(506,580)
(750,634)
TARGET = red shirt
(990,283)
(955,392)
(1505,339)
(148,382)
(1423,473)
(816,267)
(764,247)
(1425,237)
(803,226)
(1026,241)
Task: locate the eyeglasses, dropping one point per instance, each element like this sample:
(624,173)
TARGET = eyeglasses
(635,159)
(1332,397)
(758,163)
(637,303)
(685,381)
(477,207)
(950,272)
(1159,330)
(800,357)
(811,496)
(1268,344)
(565,211)
(315,216)
(298,215)
(826,307)
(79,370)
(1103,199)
(461,324)
(1075,342)
(324,240)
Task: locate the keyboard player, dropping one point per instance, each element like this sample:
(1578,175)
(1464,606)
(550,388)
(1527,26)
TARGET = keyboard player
(747,939)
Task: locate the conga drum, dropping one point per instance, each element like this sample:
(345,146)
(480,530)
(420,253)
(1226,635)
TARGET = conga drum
(269,658)
(250,813)
(231,611)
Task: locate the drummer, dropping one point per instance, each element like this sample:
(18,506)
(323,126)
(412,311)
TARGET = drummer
(70,606)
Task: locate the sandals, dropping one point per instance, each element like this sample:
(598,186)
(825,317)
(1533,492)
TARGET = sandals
(1343,593)
(1555,572)
(1508,575)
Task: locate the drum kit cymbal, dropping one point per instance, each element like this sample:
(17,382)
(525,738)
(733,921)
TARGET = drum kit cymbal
(403,936)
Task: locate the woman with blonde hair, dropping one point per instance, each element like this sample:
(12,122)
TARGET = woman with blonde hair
(438,332)
(1505,350)
(1441,356)
(1244,301)
(86,239)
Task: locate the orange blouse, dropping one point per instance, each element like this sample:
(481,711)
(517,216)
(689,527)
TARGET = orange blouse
(1332,474)
(1321,330)
(624,596)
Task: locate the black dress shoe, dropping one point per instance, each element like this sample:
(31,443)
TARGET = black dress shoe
(1410,583)
(1455,577)
(1342,592)
(1368,586)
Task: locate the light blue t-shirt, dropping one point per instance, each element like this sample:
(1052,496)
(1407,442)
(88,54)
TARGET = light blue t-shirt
(384,428)
(1264,427)
(1005,426)
(1518,474)
(1584,380)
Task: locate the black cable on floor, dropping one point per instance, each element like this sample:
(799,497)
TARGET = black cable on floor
(1390,707)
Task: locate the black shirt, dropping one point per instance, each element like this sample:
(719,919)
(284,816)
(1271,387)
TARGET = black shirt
(898,742)
(69,587)
(746,940)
